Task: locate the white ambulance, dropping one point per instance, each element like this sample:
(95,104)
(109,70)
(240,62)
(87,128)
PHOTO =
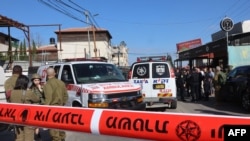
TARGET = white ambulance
(156,76)
(96,84)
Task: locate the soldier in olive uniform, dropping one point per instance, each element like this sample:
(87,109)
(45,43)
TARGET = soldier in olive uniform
(10,83)
(55,93)
(20,94)
(41,134)
(218,83)
(37,88)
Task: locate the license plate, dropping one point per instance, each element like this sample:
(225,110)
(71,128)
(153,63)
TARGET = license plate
(158,86)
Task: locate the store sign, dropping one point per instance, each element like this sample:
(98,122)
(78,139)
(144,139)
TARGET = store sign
(183,46)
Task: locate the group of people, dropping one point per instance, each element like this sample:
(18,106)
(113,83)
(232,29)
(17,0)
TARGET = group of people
(199,83)
(53,92)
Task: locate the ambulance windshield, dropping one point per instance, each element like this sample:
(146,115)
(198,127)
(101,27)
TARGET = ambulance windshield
(97,73)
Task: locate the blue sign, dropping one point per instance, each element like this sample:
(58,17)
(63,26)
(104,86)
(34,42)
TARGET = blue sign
(238,55)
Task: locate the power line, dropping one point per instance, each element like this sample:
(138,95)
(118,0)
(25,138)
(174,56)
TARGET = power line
(241,10)
(211,28)
(68,8)
(60,9)
(60,1)
(92,19)
(77,5)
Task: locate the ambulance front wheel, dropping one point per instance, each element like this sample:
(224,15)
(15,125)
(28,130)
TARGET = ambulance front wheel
(173,104)
(76,104)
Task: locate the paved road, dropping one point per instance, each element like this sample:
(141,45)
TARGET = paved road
(210,107)
(74,136)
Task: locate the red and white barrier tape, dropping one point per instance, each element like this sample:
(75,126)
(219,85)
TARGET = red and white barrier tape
(133,124)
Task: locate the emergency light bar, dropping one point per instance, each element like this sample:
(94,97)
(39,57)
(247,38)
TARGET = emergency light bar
(101,59)
(151,58)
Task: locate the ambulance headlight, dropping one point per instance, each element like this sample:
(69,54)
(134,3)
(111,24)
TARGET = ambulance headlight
(98,96)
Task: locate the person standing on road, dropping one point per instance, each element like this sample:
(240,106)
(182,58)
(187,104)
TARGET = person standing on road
(195,81)
(177,73)
(21,94)
(181,80)
(207,84)
(10,83)
(56,94)
(188,87)
(211,74)
(218,83)
(201,87)
(37,89)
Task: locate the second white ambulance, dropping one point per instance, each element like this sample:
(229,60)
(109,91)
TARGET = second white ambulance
(156,76)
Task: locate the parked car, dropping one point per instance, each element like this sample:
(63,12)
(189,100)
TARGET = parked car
(237,86)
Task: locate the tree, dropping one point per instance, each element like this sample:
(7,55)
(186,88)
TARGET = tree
(123,43)
(37,39)
(2,57)
(16,53)
(33,52)
(21,52)
(24,48)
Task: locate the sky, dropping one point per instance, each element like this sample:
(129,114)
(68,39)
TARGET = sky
(148,27)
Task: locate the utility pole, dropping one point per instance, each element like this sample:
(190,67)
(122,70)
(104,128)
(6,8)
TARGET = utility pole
(95,49)
(86,13)
(10,51)
(93,30)
(118,56)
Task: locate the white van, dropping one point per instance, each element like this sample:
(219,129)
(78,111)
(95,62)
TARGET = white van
(157,78)
(96,84)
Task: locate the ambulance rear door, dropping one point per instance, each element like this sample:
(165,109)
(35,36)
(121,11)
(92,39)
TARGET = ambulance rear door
(141,75)
(163,86)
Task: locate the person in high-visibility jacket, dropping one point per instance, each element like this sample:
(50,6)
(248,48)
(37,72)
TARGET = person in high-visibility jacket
(55,93)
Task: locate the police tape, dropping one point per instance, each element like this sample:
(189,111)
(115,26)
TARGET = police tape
(132,124)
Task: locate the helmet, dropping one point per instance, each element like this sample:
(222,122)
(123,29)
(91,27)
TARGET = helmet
(36,76)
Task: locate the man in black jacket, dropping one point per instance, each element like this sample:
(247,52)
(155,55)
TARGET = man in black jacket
(195,81)
(181,82)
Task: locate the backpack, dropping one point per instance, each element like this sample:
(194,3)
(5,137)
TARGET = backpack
(222,77)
